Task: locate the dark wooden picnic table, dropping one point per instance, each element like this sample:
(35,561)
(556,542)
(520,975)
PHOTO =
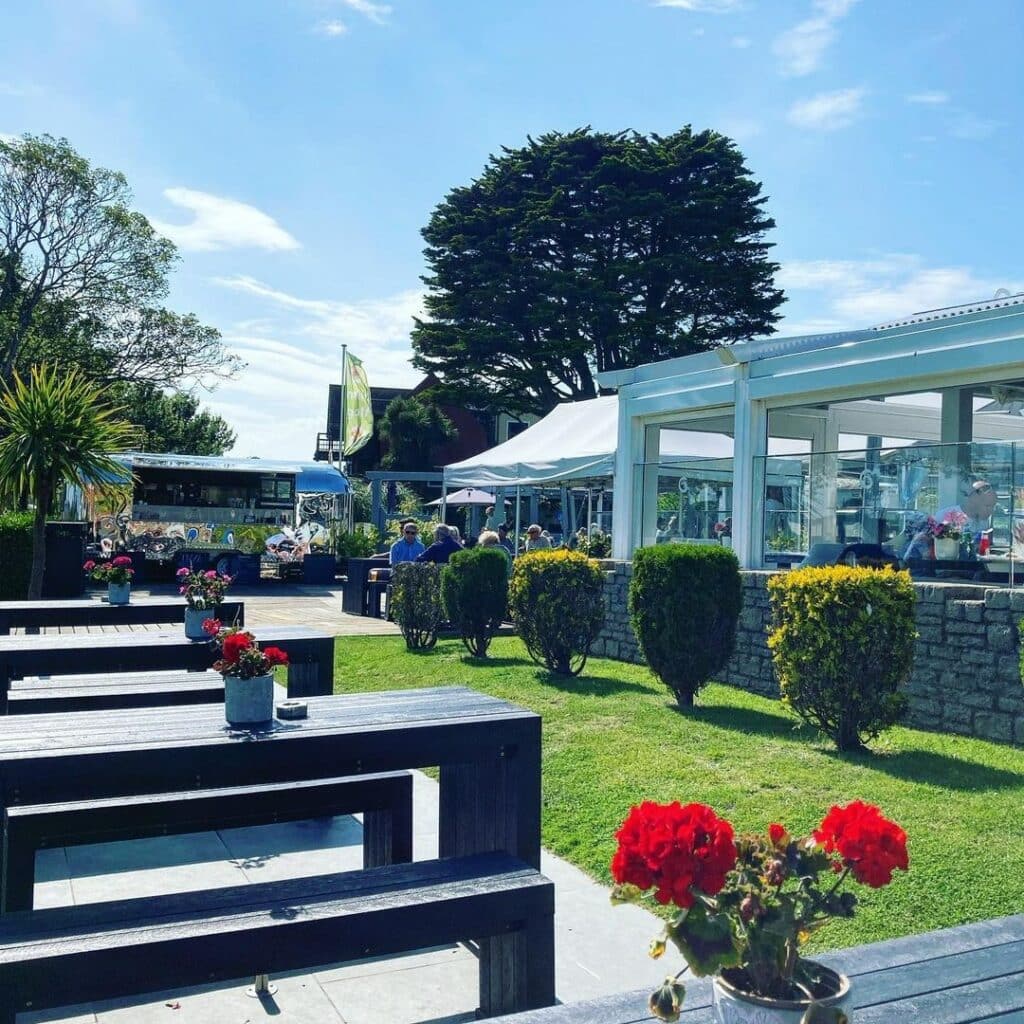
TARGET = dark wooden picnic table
(310,654)
(96,612)
(963,975)
(488,751)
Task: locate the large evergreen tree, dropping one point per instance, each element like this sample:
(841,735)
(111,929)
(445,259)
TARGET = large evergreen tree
(586,251)
(173,422)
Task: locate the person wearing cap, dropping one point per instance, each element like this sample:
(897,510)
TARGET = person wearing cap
(408,547)
(535,539)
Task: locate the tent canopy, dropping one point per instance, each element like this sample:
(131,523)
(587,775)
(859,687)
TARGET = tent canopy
(575,441)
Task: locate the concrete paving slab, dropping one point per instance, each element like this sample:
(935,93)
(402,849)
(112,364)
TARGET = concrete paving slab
(321,846)
(299,1000)
(445,993)
(149,867)
(433,957)
(53,880)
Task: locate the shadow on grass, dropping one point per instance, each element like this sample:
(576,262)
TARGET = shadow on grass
(940,770)
(587,685)
(749,721)
(489,662)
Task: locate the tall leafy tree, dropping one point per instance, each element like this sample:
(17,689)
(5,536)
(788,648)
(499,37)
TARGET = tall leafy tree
(411,427)
(173,422)
(67,234)
(587,251)
(55,428)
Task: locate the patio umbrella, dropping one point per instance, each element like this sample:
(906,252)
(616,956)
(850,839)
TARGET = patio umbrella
(467,496)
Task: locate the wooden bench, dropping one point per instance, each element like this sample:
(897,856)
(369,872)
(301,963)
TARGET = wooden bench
(42,694)
(51,958)
(35,615)
(310,654)
(384,799)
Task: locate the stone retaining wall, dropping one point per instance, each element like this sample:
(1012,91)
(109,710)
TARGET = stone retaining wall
(966,677)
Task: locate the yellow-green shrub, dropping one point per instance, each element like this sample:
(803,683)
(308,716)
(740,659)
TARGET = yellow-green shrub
(416,603)
(556,599)
(842,642)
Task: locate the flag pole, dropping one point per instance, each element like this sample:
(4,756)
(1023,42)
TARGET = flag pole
(350,517)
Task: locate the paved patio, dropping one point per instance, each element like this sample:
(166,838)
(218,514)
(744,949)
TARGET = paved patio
(599,949)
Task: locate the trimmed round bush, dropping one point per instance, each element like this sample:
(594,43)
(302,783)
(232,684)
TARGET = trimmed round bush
(474,593)
(557,603)
(684,604)
(842,642)
(416,603)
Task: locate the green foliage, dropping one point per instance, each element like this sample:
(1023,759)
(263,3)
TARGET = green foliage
(684,603)
(557,603)
(597,545)
(82,275)
(589,251)
(54,429)
(174,423)
(411,427)
(356,544)
(474,592)
(842,642)
(416,603)
(15,555)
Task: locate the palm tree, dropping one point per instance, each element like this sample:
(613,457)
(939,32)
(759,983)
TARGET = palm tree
(55,428)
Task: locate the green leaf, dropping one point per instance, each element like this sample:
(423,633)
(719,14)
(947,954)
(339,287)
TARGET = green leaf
(706,940)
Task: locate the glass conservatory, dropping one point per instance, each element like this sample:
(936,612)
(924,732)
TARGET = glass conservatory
(907,437)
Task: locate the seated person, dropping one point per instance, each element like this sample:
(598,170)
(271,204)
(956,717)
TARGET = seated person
(490,539)
(977,504)
(408,547)
(535,539)
(444,546)
(505,540)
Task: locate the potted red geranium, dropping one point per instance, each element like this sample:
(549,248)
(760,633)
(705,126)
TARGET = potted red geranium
(117,574)
(248,673)
(747,903)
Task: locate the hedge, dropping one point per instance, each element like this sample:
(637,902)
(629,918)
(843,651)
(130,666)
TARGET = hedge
(15,555)
(474,593)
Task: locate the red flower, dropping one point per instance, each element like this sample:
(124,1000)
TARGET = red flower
(234,644)
(211,627)
(275,656)
(674,849)
(121,561)
(777,834)
(871,846)
(89,566)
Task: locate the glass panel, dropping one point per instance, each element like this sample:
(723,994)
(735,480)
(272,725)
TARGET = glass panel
(945,511)
(687,500)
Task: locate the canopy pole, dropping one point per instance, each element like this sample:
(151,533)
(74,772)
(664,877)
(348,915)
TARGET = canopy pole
(444,501)
(518,518)
(590,510)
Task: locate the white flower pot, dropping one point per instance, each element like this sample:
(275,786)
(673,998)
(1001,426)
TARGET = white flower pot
(947,549)
(731,1006)
(119,593)
(194,619)
(248,701)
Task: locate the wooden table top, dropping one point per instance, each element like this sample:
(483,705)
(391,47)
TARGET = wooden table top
(72,734)
(965,975)
(161,638)
(76,603)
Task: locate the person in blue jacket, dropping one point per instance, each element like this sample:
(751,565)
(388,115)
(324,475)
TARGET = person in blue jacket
(444,546)
(408,547)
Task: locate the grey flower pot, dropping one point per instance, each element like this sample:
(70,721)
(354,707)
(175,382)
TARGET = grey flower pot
(248,701)
(119,593)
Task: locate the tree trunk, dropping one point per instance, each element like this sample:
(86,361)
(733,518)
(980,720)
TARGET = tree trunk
(35,583)
(684,699)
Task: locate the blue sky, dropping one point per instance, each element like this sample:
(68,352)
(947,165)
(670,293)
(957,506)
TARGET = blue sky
(294,148)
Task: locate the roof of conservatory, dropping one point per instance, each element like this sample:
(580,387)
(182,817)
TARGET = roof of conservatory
(925,324)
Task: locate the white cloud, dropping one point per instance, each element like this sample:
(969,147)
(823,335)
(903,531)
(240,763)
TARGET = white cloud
(828,110)
(742,42)
(332,28)
(376,12)
(801,49)
(220,223)
(973,128)
(7,137)
(278,403)
(702,6)
(931,98)
(844,294)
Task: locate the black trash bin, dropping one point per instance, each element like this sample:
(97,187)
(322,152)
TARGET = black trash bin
(318,568)
(65,553)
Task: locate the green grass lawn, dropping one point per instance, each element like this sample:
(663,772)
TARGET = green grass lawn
(613,737)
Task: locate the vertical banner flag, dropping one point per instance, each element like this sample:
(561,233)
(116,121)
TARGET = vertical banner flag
(358,411)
